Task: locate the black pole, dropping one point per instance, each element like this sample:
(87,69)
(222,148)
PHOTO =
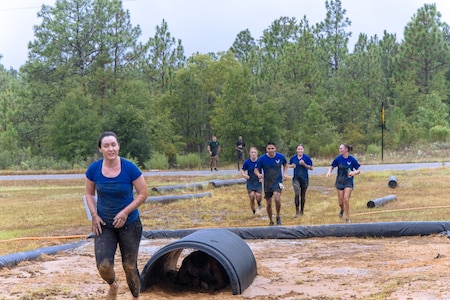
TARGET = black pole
(382,130)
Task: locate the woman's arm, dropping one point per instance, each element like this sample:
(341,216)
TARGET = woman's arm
(329,171)
(92,205)
(141,194)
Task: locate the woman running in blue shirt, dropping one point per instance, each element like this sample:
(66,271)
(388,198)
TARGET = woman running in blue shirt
(348,167)
(301,163)
(114,209)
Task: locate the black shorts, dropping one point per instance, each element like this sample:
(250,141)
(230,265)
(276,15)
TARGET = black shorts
(240,154)
(268,195)
(344,182)
(254,186)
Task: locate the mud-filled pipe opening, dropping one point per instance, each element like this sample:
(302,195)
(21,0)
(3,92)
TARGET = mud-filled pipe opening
(206,260)
(191,270)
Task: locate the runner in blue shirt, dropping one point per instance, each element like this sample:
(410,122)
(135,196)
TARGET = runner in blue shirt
(110,182)
(269,167)
(348,167)
(254,185)
(300,181)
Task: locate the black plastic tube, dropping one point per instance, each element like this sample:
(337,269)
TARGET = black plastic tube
(219,183)
(11,260)
(381,229)
(227,248)
(169,198)
(392,183)
(169,188)
(381,201)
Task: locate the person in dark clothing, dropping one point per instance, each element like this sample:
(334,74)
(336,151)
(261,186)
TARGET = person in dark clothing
(300,181)
(214,151)
(254,185)
(268,167)
(240,150)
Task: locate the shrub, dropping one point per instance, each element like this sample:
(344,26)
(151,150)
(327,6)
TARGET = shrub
(329,150)
(439,133)
(189,161)
(373,150)
(157,161)
(6,160)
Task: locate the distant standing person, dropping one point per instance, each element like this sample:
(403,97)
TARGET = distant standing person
(254,185)
(214,151)
(268,167)
(300,181)
(240,150)
(113,205)
(348,167)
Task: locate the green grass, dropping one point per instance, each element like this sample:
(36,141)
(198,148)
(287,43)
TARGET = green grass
(47,212)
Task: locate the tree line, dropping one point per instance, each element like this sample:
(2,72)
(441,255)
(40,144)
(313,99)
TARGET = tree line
(87,72)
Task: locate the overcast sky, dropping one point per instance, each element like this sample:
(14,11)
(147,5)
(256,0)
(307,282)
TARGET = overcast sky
(211,25)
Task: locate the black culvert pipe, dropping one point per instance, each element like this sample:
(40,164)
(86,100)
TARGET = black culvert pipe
(381,201)
(392,183)
(169,188)
(381,229)
(169,198)
(12,260)
(227,248)
(227,182)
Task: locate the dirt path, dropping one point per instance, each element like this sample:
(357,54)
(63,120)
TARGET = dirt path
(319,268)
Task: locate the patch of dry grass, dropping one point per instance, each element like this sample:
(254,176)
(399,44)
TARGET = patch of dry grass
(420,197)
(45,209)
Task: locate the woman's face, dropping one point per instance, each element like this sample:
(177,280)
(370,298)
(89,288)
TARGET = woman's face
(253,153)
(343,149)
(300,150)
(109,147)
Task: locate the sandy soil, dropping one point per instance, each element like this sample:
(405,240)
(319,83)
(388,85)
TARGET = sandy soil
(322,268)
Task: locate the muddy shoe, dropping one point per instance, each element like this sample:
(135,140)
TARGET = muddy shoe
(341,213)
(278,221)
(271,223)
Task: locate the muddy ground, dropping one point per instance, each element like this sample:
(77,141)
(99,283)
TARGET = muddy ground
(317,268)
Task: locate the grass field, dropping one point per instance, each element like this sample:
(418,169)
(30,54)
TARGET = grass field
(42,213)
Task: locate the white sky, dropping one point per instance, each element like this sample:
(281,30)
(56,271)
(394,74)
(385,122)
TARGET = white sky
(211,25)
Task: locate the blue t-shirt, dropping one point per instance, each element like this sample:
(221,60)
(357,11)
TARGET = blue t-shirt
(301,171)
(271,166)
(253,182)
(114,194)
(344,165)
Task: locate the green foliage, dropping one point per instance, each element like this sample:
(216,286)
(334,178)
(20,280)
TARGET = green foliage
(158,161)
(373,150)
(189,161)
(353,136)
(7,160)
(432,112)
(24,160)
(439,133)
(316,129)
(73,128)
(297,83)
(329,150)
